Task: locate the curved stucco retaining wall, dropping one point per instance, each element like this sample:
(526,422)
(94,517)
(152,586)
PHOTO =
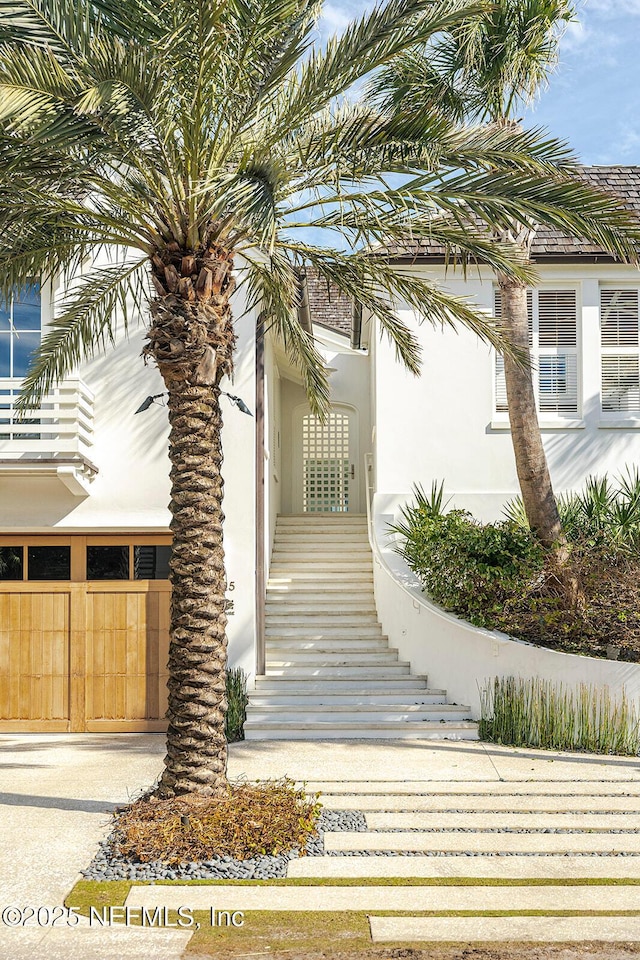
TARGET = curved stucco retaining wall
(455,655)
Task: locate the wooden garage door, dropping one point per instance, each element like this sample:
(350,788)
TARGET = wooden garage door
(83,655)
(127,652)
(34,660)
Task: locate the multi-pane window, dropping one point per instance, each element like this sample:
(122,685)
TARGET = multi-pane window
(20,331)
(620,343)
(553,342)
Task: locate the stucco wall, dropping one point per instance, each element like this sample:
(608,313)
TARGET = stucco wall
(131,490)
(441,425)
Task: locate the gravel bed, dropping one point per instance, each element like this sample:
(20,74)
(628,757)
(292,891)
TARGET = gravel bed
(109,865)
(436,830)
(467,853)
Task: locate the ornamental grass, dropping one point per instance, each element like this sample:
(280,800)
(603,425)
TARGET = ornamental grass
(533,712)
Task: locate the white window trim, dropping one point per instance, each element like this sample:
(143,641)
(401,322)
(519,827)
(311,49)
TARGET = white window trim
(546,421)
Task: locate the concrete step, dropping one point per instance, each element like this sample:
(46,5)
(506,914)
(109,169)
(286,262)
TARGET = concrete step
(338,730)
(303,543)
(362,671)
(372,897)
(482,821)
(333,540)
(294,519)
(341,685)
(515,789)
(486,866)
(329,590)
(325,608)
(469,930)
(351,713)
(476,842)
(311,632)
(322,579)
(278,657)
(319,566)
(319,620)
(406,700)
(479,805)
(353,645)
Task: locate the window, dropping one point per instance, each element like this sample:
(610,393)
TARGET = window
(108,563)
(151,562)
(11,563)
(620,343)
(20,331)
(553,341)
(49,563)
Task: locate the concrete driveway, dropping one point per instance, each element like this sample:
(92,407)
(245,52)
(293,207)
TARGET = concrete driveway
(57,792)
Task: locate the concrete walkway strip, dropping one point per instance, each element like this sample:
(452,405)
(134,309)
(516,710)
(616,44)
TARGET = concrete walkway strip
(532,787)
(502,821)
(486,867)
(93,943)
(441,899)
(505,929)
(505,804)
(463,842)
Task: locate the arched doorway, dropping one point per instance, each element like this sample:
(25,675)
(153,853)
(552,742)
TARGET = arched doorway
(325,461)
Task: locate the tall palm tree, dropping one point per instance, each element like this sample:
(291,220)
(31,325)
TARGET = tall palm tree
(485,69)
(202,138)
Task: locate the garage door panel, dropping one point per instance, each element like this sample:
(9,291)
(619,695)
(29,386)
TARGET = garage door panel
(34,657)
(123,661)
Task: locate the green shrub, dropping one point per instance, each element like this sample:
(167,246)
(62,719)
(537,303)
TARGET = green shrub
(499,577)
(236,704)
(538,713)
(468,567)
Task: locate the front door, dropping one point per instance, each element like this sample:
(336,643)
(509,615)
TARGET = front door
(327,462)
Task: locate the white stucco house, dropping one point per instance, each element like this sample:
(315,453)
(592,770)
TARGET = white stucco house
(329,625)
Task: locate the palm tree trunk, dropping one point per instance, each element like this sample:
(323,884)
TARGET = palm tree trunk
(192,341)
(532,468)
(196,758)
(531,461)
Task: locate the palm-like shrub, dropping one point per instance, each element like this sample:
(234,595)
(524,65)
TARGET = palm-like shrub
(605,513)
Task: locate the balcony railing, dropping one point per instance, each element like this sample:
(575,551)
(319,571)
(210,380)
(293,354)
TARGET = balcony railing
(60,427)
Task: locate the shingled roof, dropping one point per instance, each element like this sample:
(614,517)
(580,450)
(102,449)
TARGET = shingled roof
(328,306)
(550,245)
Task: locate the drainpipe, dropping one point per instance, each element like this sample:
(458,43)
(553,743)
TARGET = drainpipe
(356,326)
(260,558)
(304,312)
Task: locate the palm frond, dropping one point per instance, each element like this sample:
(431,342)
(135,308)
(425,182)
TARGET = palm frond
(87,321)
(273,286)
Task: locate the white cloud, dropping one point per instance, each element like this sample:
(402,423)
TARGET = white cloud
(614,8)
(334,19)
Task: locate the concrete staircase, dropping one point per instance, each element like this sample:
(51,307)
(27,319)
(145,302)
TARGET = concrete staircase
(330,672)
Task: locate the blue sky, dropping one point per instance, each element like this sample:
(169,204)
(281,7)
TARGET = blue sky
(593,99)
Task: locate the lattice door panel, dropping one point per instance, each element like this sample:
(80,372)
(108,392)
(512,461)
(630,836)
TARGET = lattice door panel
(326,464)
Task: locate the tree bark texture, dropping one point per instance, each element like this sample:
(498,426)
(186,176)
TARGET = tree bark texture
(192,341)
(531,461)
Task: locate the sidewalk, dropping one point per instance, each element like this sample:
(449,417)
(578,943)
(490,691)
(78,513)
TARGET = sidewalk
(56,793)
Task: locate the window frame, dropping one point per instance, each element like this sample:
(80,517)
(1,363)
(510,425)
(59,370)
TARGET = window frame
(79,544)
(14,333)
(571,419)
(612,418)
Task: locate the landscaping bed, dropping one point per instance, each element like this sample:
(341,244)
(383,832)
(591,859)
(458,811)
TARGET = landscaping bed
(497,575)
(250,833)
